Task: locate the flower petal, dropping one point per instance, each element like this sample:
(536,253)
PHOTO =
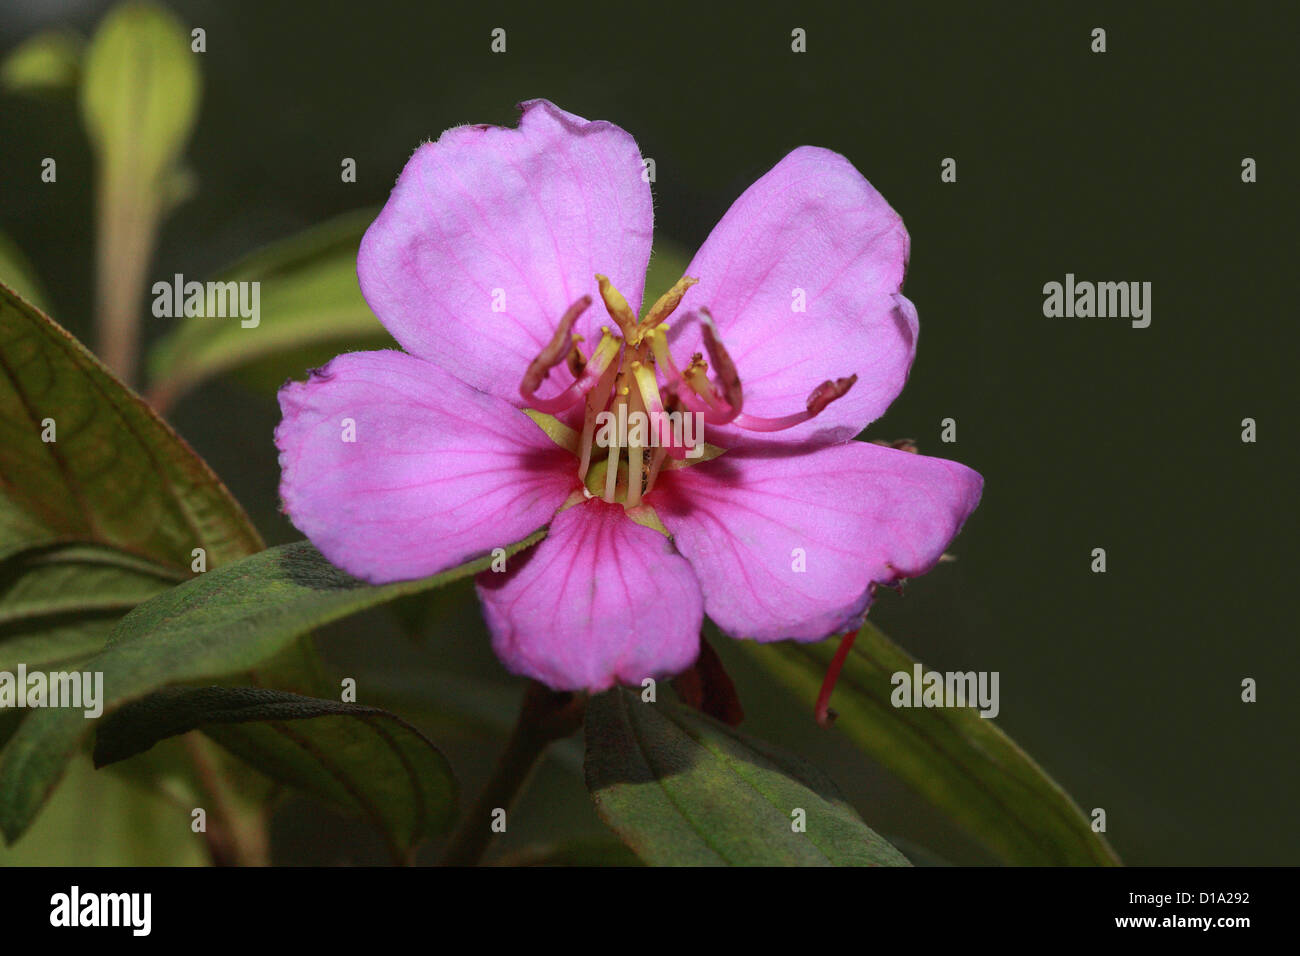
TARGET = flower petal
(812,233)
(491,234)
(602,600)
(851,514)
(437,473)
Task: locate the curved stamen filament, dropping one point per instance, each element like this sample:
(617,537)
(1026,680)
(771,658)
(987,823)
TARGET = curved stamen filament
(821,396)
(686,392)
(553,353)
(556,352)
(723,367)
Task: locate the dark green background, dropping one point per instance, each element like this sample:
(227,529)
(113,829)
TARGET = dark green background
(1121,166)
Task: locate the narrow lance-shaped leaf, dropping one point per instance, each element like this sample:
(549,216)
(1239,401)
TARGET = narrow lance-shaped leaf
(682,789)
(959,761)
(221,623)
(362,759)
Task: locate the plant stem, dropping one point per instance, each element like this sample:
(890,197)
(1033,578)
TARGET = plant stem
(126,227)
(545,716)
(231,841)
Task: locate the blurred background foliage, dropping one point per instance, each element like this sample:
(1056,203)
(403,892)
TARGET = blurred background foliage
(1125,686)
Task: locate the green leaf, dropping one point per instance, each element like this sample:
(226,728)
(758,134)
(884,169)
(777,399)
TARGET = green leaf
(113,475)
(362,759)
(961,762)
(682,789)
(139,102)
(59,604)
(73,579)
(310,309)
(221,623)
(46,62)
(103,515)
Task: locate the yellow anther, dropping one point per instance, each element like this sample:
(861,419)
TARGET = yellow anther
(617,307)
(666,303)
(696,376)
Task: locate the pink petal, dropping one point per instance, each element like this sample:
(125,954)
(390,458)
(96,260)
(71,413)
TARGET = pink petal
(531,214)
(438,473)
(860,513)
(602,600)
(812,224)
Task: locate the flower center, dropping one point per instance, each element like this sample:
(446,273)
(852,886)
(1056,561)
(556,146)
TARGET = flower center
(631,428)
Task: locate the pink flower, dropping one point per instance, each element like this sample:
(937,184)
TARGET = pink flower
(483,265)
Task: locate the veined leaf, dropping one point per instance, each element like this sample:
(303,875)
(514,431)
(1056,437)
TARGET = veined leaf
(102,505)
(85,461)
(682,789)
(961,762)
(362,759)
(221,623)
(59,604)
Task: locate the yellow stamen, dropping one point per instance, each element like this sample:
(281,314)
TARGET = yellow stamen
(617,307)
(647,386)
(658,342)
(635,450)
(696,376)
(666,303)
